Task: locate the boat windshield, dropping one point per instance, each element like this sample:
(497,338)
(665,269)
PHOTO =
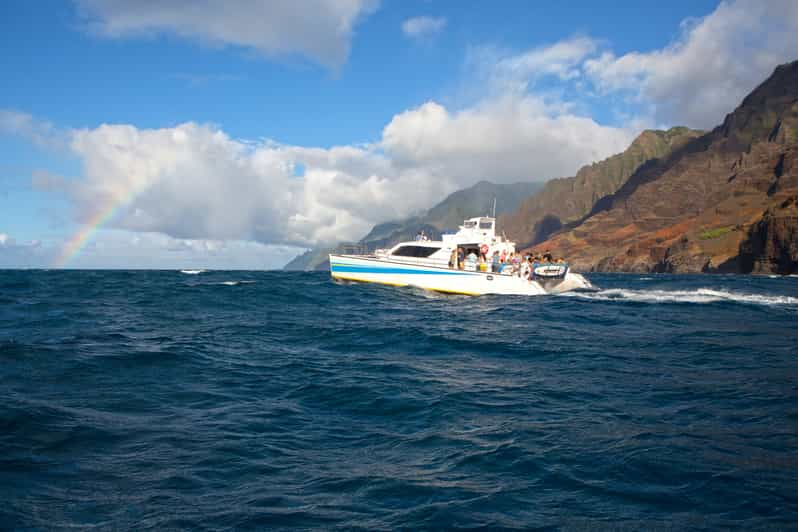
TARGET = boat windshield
(470,225)
(415,251)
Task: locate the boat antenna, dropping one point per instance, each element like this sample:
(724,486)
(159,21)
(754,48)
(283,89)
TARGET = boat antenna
(494,206)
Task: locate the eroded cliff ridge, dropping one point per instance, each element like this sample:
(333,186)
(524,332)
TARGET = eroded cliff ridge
(724,201)
(566,200)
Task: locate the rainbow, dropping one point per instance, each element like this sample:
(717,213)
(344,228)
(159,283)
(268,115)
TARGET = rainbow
(78,242)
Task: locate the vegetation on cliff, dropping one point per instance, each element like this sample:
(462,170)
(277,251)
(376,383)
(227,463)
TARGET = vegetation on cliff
(722,202)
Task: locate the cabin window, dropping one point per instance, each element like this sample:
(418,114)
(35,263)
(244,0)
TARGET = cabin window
(486,225)
(469,225)
(415,251)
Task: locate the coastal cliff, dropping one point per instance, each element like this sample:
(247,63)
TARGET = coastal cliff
(566,200)
(724,201)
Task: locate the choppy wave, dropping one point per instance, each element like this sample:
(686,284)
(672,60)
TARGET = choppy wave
(700,295)
(138,400)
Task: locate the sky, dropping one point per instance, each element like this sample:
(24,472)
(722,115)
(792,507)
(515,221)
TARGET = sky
(237,134)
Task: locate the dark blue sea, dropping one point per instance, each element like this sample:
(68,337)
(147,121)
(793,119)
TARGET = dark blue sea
(158,400)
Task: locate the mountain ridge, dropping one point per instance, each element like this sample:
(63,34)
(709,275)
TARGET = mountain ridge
(723,202)
(563,201)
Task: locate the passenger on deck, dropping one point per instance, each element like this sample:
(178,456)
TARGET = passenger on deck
(453,259)
(495,262)
(419,236)
(547,256)
(471,261)
(515,259)
(460,258)
(524,270)
(483,264)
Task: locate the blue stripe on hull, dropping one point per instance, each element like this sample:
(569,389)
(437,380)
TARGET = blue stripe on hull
(371,269)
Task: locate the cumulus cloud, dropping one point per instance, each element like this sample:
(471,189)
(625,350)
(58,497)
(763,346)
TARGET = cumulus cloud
(121,249)
(504,140)
(194,181)
(114,248)
(707,71)
(421,27)
(562,59)
(317,29)
(40,132)
(30,254)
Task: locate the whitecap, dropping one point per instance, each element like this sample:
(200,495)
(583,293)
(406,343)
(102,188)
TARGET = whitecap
(700,295)
(192,272)
(572,281)
(234,283)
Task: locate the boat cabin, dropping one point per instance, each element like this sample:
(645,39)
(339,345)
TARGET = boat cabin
(475,235)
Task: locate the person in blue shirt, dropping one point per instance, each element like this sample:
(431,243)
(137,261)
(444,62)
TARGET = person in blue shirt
(495,262)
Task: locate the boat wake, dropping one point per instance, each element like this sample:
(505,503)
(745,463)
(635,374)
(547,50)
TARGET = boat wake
(700,295)
(192,272)
(234,283)
(572,281)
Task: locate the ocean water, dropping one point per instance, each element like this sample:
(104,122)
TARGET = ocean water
(270,400)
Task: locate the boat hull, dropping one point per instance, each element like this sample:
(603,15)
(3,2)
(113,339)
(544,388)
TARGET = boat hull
(447,280)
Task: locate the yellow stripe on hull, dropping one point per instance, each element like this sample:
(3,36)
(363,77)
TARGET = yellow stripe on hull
(362,280)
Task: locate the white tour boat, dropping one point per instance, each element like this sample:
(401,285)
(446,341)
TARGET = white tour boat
(451,265)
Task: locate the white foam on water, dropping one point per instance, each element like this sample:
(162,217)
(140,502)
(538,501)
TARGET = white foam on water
(572,281)
(234,283)
(192,272)
(699,295)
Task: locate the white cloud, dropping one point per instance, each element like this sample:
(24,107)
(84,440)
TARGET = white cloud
(421,27)
(503,140)
(114,248)
(318,29)
(195,182)
(121,249)
(704,74)
(40,132)
(30,254)
(561,59)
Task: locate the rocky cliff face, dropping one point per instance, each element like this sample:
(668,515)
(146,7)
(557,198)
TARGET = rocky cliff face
(566,200)
(772,242)
(721,202)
